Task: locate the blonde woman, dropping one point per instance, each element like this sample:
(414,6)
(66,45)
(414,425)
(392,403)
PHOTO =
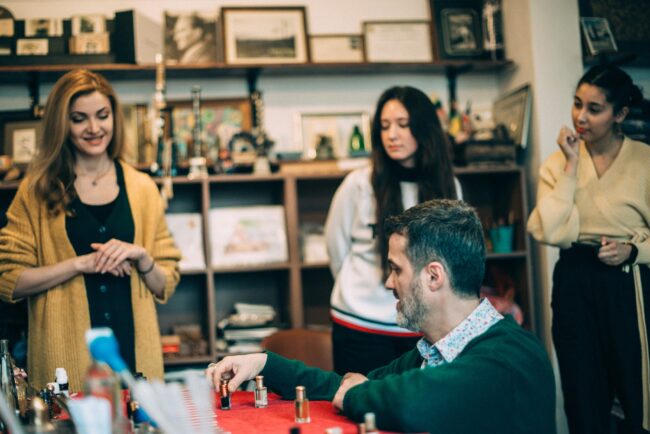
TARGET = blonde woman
(86,241)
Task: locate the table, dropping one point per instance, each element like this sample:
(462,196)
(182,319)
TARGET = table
(278,417)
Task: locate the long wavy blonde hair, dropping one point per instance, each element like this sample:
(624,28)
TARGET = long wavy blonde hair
(52,169)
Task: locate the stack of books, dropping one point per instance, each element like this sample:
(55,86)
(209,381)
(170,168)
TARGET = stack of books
(244,330)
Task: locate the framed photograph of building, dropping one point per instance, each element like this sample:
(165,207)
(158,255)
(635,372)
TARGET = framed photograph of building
(190,38)
(457,29)
(327,135)
(94,23)
(264,35)
(398,41)
(598,35)
(221,119)
(336,48)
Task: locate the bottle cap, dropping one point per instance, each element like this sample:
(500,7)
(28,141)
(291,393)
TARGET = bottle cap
(259,381)
(300,393)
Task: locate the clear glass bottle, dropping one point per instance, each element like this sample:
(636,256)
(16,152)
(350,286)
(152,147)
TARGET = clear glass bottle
(261,395)
(369,421)
(7,383)
(101,381)
(302,405)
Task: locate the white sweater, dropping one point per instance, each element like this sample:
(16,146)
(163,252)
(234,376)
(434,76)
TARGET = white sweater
(359,299)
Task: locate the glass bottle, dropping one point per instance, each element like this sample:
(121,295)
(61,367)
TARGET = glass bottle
(100,381)
(357,145)
(224,393)
(302,406)
(261,396)
(7,383)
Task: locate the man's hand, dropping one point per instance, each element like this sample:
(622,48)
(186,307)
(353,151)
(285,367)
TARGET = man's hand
(350,380)
(239,368)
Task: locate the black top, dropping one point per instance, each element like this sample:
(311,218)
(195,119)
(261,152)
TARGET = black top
(109,297)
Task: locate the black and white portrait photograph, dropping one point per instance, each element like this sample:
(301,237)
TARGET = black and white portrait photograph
(190,38)
(461,31)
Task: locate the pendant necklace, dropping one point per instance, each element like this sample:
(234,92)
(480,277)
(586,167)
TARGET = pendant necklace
(102,174)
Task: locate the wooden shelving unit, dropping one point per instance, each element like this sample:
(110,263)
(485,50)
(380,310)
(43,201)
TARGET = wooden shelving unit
(299,291)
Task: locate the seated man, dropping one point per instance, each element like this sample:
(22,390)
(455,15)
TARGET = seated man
(472,372)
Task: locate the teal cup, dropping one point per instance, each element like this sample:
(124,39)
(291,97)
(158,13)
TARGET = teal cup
(502,239)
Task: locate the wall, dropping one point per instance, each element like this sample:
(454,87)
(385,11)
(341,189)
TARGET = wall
(284,97)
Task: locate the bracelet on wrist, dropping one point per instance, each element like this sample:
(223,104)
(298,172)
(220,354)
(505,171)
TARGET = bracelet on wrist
(148,270)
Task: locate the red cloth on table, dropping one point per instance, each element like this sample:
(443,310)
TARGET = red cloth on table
(278,417)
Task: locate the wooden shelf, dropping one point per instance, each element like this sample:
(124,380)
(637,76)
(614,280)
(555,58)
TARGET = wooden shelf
(176,361)
(314,265)
(251,268)
(510,255)
(122,71)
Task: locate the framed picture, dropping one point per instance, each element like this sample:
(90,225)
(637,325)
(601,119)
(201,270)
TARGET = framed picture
(398,41)
(20,138)
(458,28)
(43,27)
(220,120)
(513,111)
(190,38)
(628,23)
(328,135)
(264,35)
(32,47)
(598,35)
(95,23)
(336,48)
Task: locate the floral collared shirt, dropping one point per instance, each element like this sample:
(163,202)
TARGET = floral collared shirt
(449,347)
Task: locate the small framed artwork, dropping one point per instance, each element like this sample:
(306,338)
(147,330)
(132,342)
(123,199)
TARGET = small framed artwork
(20,138)
(598,35)
(221,119)
(95,23)
(513,111)
(43,27)
(32,47)
(190,38)
(328,135)
(398,41)
(264,35)
(458,28)
(336,48)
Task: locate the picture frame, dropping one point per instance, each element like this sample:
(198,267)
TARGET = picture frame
(337,126)
(43,27)
(92,23)
(221,119)
(20,139)
(513,111)
(458,29)
(598,35)
(628,25)
(341,48)
(264,35)
(32,47)
(190,37)
(398,41)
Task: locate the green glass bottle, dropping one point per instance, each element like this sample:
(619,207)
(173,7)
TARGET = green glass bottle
(357,145)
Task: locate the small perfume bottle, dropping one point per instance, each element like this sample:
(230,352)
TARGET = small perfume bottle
(302,405)
(62,379)
(224,393)
(369,422)
(261,397)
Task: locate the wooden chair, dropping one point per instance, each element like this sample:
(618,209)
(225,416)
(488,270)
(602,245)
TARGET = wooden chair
(312,347)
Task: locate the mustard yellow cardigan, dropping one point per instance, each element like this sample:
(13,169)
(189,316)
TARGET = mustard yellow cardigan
(59,317)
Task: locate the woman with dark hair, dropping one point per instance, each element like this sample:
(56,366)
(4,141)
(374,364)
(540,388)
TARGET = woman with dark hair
(593,202)
(86,241)
(411,163)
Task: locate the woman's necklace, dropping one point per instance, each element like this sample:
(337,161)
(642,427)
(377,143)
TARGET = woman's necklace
(94,181)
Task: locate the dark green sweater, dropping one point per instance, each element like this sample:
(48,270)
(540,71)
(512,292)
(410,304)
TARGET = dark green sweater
(502,382)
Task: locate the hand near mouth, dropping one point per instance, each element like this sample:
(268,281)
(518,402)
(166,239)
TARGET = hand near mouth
(569,142)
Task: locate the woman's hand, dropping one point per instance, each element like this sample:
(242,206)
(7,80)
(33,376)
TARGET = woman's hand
(569,142)
(85,264)
(111,256)
(612,252)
